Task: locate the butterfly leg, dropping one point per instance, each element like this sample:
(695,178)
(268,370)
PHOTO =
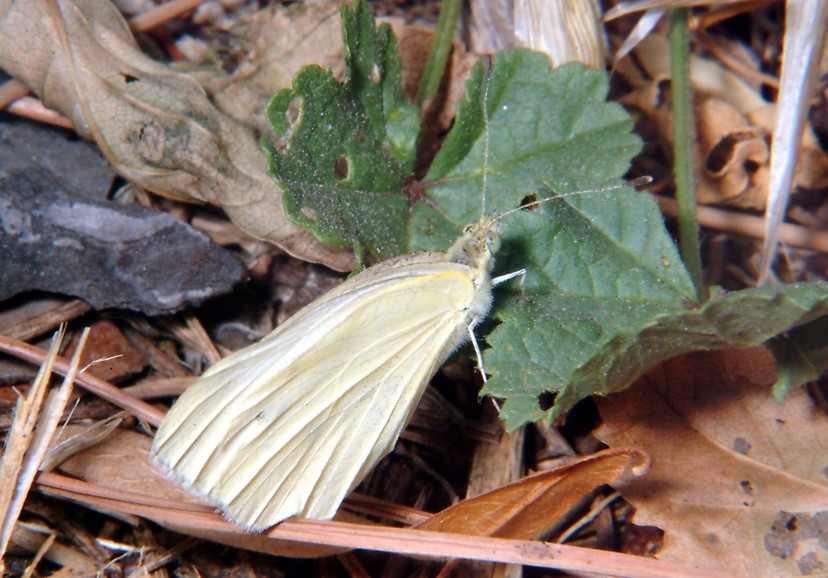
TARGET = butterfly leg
(477,353)
(495,281)
(503,278)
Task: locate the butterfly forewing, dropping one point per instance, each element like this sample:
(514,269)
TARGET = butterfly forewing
(291,424)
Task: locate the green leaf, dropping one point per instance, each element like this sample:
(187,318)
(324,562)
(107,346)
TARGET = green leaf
(801,356)
(597,263)
(546,128)
(375,77)
(345,149)
(739,319)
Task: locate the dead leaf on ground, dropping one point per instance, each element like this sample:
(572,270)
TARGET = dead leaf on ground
(121,462)
(732,152)
(525,509)
(109,352)
(738,482)
(155,125)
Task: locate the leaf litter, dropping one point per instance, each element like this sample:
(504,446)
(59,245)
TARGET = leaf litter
(737,479)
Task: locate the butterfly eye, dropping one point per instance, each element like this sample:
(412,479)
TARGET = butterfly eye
(493,242)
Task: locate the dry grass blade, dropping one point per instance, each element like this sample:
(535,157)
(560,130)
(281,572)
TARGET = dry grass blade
(642,29)
(192,333)
(624,8)
(805,30)
(94,434)
(32,429)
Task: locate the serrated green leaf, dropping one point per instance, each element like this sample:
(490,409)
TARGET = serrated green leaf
(739,319)
(597,263)
(345,149)
(551,128)
(801,356)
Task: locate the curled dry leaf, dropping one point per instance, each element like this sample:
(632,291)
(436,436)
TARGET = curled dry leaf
(155,125)
(733,162)
(731,155)
(732,152)
(525,509)
(738,481)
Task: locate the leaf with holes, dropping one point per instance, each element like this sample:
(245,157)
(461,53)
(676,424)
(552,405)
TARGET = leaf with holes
(598,264)
(606,295)
(345,149)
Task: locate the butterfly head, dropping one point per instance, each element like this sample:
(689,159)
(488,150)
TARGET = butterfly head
(477,245)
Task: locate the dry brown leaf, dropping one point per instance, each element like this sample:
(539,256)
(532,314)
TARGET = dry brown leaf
(525,509)
(738,482)
(121,462)
(108,353)
(155,125)
(731,158)
(732,153)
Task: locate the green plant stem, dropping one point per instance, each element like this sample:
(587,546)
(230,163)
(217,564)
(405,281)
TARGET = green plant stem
(440,50)
(683,138)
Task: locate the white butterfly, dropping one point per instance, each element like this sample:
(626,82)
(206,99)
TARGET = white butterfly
(290,425)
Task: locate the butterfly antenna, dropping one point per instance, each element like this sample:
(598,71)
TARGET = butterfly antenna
(486,136)
(634,183)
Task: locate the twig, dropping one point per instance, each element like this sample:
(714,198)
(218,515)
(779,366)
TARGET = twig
(89,382)
(157,16)
(748,225)
(48,320)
